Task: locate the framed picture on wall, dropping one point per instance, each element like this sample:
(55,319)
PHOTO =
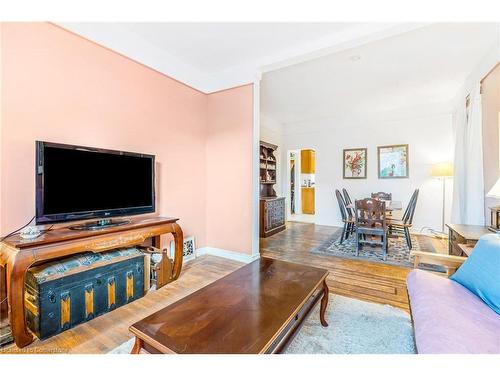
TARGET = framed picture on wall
(393,161)
(354,163)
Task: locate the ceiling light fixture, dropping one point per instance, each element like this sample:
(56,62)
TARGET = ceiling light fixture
(355,58)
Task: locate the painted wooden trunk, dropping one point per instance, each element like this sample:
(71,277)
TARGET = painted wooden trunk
(65,293)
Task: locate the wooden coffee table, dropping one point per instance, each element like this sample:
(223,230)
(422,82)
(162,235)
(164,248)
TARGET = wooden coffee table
(256,309)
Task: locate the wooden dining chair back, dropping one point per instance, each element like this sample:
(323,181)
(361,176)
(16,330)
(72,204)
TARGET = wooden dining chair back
(382,195)
(406,222)
(371,221)
(347,219)
(410,209)
(348,202)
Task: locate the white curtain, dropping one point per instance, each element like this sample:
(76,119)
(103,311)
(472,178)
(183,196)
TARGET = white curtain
(468,188)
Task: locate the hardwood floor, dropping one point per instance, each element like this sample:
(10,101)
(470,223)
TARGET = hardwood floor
(108,331)
(359,279)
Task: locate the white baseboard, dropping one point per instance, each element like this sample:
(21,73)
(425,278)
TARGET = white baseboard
(233,255)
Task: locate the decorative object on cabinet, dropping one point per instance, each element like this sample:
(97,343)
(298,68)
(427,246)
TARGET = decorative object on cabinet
(393,161)
(307,161)
(354,163)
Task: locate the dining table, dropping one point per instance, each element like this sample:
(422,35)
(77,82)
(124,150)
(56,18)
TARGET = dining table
(389,205)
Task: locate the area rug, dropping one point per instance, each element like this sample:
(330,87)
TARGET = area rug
(398,252)
(355,327)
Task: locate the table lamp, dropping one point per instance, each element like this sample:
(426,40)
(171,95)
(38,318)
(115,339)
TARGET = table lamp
(495,211)
(442,170)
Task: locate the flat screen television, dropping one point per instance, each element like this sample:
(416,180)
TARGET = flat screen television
(79,183)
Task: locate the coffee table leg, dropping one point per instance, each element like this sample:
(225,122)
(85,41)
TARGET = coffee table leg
(137,346)
(324,304)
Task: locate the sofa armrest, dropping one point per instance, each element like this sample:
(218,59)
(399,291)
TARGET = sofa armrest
(450,262)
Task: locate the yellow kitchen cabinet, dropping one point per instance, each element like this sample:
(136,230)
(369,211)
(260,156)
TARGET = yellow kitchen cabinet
(307,161)
(307,200)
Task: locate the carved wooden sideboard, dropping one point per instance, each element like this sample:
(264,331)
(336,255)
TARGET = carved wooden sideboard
(17,255)
(272,216)
(272,208)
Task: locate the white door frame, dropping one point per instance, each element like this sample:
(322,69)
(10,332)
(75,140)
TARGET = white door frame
(298,199)
(256,169)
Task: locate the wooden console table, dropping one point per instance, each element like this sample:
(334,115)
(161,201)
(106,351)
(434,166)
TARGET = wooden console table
(17,255)
(464,234)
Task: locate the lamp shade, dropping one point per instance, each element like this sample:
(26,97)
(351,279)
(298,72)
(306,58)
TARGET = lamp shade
(442,170)
(495,190)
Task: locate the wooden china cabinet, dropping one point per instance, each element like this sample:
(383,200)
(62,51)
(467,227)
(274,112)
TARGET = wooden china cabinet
(272,208)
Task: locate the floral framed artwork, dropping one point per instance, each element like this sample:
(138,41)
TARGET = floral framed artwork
(393,161)
(354,163)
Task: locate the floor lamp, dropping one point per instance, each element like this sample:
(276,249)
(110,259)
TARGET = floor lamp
(442,170)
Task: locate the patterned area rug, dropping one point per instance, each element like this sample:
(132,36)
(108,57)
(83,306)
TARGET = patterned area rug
(355,327)
(398,252)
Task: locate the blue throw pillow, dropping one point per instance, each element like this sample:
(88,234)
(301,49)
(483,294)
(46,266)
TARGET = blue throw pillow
(480,273)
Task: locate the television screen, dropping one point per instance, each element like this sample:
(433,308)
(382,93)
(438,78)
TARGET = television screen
(75,183)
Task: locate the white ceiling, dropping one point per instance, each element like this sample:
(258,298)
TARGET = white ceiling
(216,47)
(216,56)
(419,71)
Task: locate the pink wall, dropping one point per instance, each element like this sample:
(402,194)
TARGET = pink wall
(229,169)
(62,88)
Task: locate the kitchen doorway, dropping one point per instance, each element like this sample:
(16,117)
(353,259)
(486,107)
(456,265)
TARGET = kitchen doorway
(301,195)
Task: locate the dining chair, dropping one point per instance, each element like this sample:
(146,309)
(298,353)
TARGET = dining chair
(382,195)
(406,222)
(370,220)
(348,203)
(348,220)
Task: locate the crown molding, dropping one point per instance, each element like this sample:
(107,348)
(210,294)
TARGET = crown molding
(131,45)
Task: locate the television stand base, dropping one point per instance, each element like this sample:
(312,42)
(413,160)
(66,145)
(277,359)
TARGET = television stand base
(99,224)
(18,255)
